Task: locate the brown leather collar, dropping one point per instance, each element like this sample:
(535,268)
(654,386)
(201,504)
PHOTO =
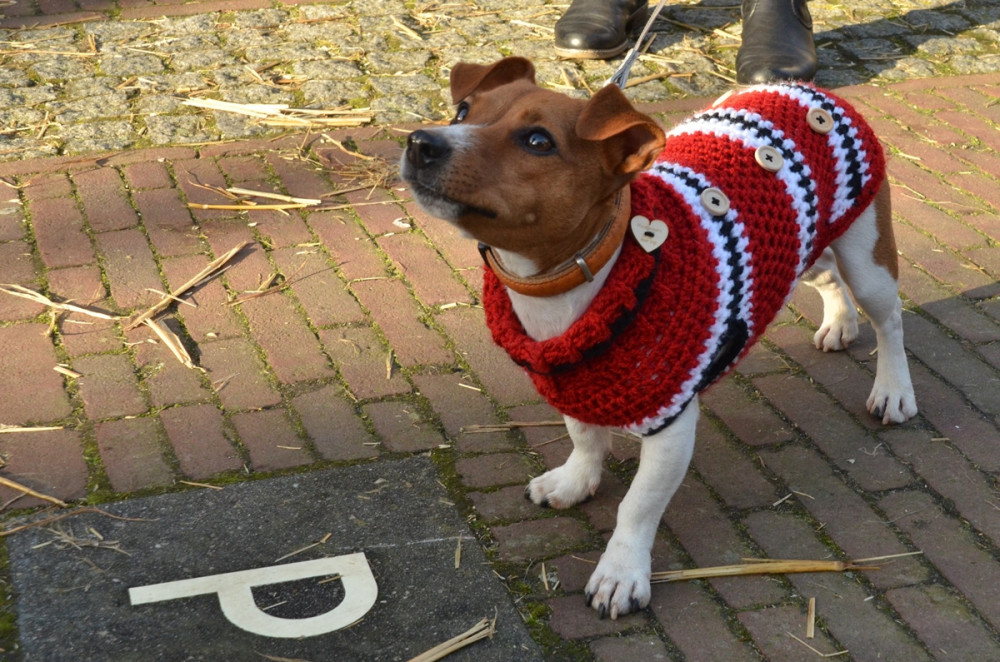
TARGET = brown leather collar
(576,271)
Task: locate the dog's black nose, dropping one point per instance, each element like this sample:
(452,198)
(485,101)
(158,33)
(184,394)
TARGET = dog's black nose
(424,148)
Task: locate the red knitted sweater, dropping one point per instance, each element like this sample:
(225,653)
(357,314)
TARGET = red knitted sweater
(669,323)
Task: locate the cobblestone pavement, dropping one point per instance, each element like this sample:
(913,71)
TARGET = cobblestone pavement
(374,346)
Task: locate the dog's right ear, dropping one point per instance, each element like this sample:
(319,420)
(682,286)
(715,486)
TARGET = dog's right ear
(468,78)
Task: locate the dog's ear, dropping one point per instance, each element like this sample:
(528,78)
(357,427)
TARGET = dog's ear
(636,137)
(468,78)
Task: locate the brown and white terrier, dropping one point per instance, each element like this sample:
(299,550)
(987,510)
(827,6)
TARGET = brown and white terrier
(627,270)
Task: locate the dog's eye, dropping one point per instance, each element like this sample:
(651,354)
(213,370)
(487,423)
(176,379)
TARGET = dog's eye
(461,112)
(538,141)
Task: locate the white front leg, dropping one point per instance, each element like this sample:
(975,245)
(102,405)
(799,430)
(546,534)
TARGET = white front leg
(579,477)
(620,584)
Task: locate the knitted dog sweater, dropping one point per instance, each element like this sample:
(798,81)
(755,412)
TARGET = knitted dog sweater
(752,190)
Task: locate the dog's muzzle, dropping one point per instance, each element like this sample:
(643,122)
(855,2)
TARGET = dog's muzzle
(425,149)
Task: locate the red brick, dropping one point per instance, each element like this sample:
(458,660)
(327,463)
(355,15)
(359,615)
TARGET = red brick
(292,350)
(402,428)
(130,268)
(602,510)
(432,279)
(46,186)
(505,504)
(695,623)
(353,252)
(770,629)
(540,539)
(332,424)
(317,286)
(956,313)
(239,169)
(733,475)
(503,379)
(31,391)
(945,542)
(968,430)
(189,173)
(58,228)
(299,177)
(83,334)
(632,647)
(458,407)
(49,462)
(237,374)
(943,622)
(942,226)
(842,439)
(947,267)
(109,386)
(169,381)
(846,517)
(281,230)
(949,474)
(132,456)
(167,221)
(270,440)
(199,441)
(711,539)
(494,469)
(378,209)
(399,318)
(745,415)
(859,624)
(147,174)
(17,267)
(956,364)
(573,619)
(248,269)
(12,221)
(105,200)
(361,359)
(212,318)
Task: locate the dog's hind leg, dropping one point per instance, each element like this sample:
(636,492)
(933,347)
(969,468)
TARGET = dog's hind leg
(579,477)
(840,319)
(620,583)
(866,253)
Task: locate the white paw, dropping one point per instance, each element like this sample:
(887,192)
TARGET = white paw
(565,486)
(837,334)
(892,403)
(620,584)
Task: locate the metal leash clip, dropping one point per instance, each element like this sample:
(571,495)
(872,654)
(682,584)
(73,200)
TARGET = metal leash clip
(620,77)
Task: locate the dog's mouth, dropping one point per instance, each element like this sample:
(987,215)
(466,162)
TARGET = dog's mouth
(443,206)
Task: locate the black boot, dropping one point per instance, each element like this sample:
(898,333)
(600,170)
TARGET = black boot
(597,29)
(777,42)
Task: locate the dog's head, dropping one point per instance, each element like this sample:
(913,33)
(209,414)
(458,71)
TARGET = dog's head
(526,169)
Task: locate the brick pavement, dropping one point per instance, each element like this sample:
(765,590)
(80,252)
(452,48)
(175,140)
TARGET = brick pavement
(377,350)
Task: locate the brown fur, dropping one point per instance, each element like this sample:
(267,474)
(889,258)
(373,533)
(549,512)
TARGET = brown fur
(885,253)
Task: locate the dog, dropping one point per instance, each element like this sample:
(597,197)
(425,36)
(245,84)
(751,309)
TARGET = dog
(628,269)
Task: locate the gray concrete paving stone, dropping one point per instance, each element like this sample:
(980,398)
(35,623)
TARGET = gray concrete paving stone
(73,600)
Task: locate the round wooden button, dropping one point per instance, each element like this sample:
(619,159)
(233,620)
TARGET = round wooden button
(768,158)
(819,120)
(714,201)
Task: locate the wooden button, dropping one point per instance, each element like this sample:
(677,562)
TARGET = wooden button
(714,201)
(649,234)
(819,120)
(768,158)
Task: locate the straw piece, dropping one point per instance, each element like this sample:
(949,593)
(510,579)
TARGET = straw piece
(274,196)
(69,372)
(6,429)
(481,630)
(769,567)
(7,482)
(172,342)
(25,293)
(811,619)
(282,115)
(212,270)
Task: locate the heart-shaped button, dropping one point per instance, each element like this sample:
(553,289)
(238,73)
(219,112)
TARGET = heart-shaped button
(649,234)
